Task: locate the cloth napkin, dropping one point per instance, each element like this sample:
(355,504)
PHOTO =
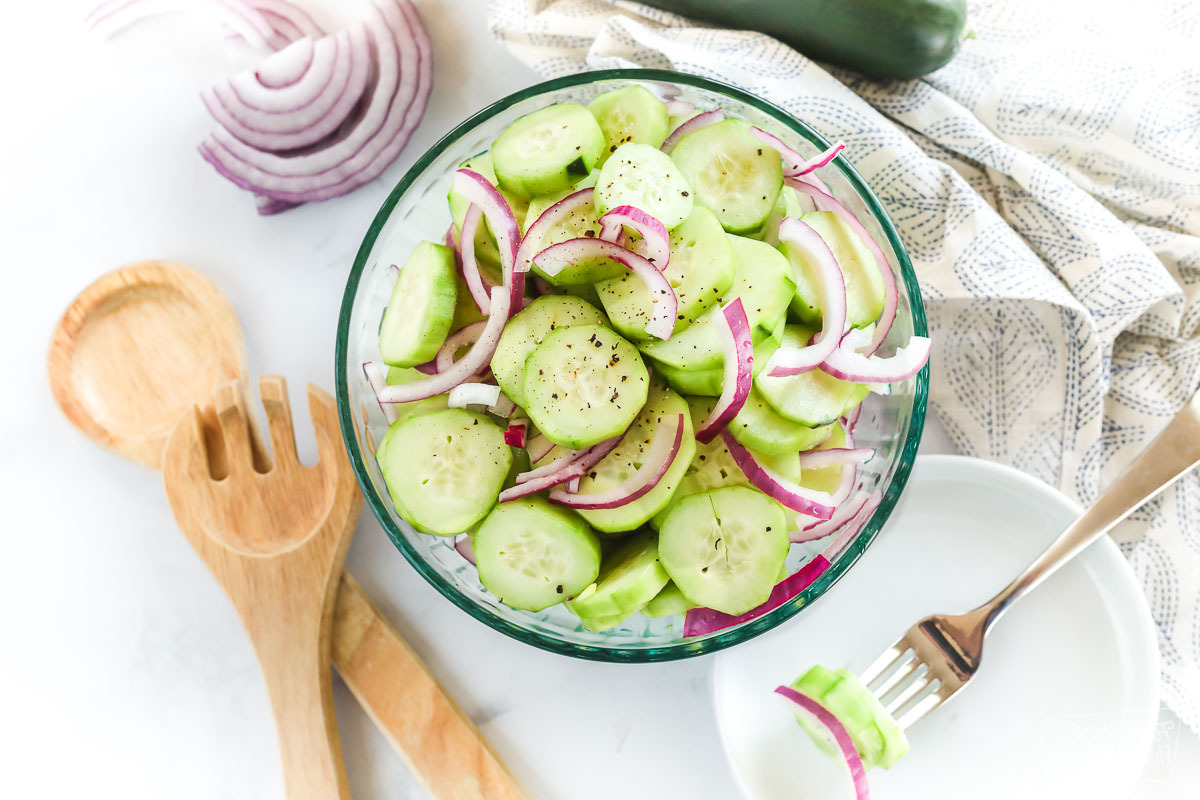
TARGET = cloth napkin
(1047,185)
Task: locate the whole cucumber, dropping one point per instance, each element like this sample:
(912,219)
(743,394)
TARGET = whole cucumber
(882,38)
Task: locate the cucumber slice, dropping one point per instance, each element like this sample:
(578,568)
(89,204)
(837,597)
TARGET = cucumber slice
(644,177)
(826,479)
(418,315)
(533,555)
(582,222)
(584,384)
(733,174)
(811,398)
(631,114)
(629,578)
(482,164)
(525,331)
(547,150)
(400,375)
(465,310)
(760,428)
(762,279)
(676,120)
(864,285)
(708,382)
(876,736)
(701,269)
(724,548)
(444,468)
(627,457)
(789,204)
(668,602)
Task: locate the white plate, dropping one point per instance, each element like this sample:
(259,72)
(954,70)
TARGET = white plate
(1066,699)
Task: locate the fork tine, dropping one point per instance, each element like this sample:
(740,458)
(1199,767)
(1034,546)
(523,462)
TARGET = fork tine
(230,405)
(888,661)
(928,688)
(918,709)
(273,391)
(916,680)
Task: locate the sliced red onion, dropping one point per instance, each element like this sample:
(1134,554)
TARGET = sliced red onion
(377,379)
(703,621)
(115,16)
(831,286)
(578,466)
(662,322)
(475,360)
(702,120)
(553,467)
(462,543)
(573,484)
(738,348)
(367,144)
(470,267)
(778,488)
(819,529)
(656,242)
(535,233)
(677,108)
(269,205)
(428,368)
(503,407)
(473,394)
(847,363)
(538,447)
(835,456)
(514,435)
(795,164)
(824,201)
(659,457)
(466,335)
(852,528)
(287,66)
(850,420)
(287,18)
(479,191)
(839,734)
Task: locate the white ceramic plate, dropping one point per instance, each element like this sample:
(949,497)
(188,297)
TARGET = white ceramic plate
(1064,704)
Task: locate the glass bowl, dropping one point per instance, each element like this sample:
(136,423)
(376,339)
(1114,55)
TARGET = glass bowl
(416,209)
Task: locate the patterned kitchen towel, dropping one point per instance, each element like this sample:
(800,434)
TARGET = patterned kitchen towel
(1047,185)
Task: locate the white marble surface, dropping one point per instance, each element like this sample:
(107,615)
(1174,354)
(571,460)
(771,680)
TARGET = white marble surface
(125,672)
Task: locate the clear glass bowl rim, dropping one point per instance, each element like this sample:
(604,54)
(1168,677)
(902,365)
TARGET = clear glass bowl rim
(683,648)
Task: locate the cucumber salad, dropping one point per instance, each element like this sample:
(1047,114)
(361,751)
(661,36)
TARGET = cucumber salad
(627,377)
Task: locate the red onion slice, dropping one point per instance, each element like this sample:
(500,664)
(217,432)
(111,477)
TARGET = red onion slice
(462,543)
(852,528)
(824,201)
(659,457)
(850,420)
(835,456)
(551,468)
(287,66)
(677,108)
(703,621)
(832,288)
(838,733)
(738,348)
(778,488)
(365,146)
(470,267)
(795,164)
(464,336)
(503,407)
(473,394)
(479,191)
(377,378)
(822,528)
(288,19)
(475,360)
(514,435)
(702,120)
(573,484)
(578,466)
(114,16)
(656,242)
(535,234)
(848,364)
(662,321)
(538,447)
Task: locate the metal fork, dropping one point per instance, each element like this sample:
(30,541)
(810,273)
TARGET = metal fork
(936,658)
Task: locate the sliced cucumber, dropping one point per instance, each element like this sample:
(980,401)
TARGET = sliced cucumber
(763,280)
(628,456)
(644,177)
(482,164)
(876,736)
(418,315)
(734,175)
(582,222)
(811,398)
(724,548)
(401,375)
(668,602)
(584,384)
(826,479)
(760,428)
(547,150)
(631,114)
(525,331)
(864,285)
(676,120)
(584,291)
(533,555)
(629,578)
(701,269)
(465,310)
(444,468)
(789,204)
(709,382)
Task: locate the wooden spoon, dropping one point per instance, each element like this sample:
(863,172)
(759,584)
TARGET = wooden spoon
(103,361)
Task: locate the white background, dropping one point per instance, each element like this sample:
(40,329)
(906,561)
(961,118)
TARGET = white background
(125,672)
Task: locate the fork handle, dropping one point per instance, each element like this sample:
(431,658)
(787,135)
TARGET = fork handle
(1171,455)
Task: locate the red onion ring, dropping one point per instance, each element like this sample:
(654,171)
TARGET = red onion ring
(462,543)
(581,464)
(662,322)
(467,334)
(847,363)
(659,457)
(738,347)
(551,468)
(476,359)
(473,394)
(538,447)
(835,456)
(504,407)
(852,528)
(470,267)
(288,19)
(778,488)
(535,234)
(479,191)
(832,288)
(377,379)
(824,201)
(656,242)
(677,108)
(850,420)
(795,164)
(821,528)
(702,120)
(702,621)
(573,484)
(514,435)
(840,736)
(287,66)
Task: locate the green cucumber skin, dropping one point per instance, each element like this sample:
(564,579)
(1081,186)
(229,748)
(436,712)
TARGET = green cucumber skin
(899,39)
